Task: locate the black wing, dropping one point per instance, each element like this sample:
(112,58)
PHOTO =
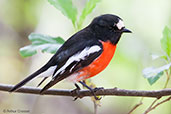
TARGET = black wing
(74,64)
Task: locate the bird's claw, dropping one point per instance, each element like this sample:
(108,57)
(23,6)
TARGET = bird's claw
(97,89)
(96,98)
(76,92)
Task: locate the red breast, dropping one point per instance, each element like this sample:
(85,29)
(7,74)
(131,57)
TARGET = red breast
(97,65)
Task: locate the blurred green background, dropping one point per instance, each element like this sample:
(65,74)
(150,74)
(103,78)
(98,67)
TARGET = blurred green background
(146,18)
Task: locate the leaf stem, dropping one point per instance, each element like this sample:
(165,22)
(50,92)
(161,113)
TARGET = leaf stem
(168,78)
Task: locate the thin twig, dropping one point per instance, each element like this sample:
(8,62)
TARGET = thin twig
(161,103)
(149,108)
(136,106)
(95,107)
(153,107)
(84,93)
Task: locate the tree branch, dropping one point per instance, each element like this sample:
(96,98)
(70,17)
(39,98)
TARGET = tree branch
(83,93)
(152,108)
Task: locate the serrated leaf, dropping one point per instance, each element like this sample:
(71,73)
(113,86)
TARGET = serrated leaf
(90,5)
(166,41)
(66,7)
(153,74)
(41,42)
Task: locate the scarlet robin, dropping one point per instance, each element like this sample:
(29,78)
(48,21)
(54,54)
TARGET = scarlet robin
(83,55)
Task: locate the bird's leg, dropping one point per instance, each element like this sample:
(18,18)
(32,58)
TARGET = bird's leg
(92,91)
(77,91)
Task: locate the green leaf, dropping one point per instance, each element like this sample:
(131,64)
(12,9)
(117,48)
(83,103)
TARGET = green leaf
(66,7)
(155,56)
(153,74)
(152,80)
(166,41)
(41,42)
(90,5)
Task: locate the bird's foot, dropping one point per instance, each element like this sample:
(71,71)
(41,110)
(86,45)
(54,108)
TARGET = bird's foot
(93,93)
(77,92)
(92,90)
(97,89)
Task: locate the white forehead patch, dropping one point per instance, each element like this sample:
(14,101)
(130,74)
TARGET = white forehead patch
(120,24)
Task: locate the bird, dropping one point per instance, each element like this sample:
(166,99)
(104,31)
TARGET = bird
(84,55)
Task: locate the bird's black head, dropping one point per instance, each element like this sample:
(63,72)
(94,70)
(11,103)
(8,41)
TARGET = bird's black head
(108,27)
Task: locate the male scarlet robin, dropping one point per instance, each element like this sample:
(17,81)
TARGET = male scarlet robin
(84,54)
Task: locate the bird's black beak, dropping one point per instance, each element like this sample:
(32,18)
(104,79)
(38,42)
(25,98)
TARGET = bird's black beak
(126,30)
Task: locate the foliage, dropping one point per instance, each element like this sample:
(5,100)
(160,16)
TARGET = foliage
(153,74)
(42,42)
(166,41)
(66,7)
(90,5)
(51,44)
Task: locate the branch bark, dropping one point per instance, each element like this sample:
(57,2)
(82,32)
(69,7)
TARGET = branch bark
(84,93)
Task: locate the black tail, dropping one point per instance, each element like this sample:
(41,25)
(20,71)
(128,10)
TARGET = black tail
(44,68)
(42,81)
(51,83)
